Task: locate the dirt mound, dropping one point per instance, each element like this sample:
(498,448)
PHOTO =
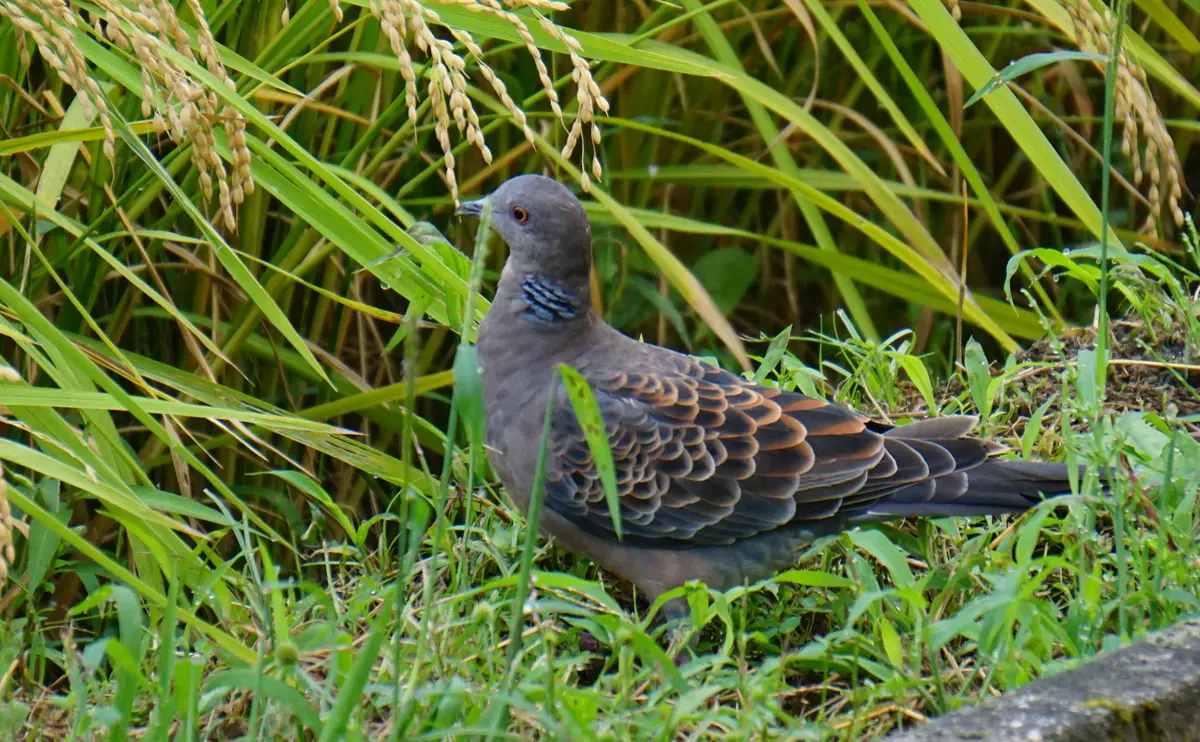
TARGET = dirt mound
(1152,370)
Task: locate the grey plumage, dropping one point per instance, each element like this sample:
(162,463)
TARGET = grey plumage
(720,479)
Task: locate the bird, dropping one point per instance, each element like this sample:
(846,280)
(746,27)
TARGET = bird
(719,478)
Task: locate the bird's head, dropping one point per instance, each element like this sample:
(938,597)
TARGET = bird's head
(542,222)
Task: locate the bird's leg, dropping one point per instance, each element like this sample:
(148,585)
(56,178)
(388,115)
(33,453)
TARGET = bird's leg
(677,617)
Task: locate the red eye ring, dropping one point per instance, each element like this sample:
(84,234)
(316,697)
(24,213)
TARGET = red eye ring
(520,214)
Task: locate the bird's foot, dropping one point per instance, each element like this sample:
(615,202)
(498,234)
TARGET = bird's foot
(682,637)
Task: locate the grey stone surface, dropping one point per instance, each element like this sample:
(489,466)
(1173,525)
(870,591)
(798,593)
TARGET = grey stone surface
(1148,691)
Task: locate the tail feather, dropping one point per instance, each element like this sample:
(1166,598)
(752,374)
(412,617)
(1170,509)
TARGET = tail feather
(993,487)
(1031,479)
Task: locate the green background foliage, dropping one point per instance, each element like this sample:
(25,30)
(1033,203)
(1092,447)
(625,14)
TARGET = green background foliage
(244,459)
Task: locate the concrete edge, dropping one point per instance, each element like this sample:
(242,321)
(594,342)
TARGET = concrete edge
(1149,690)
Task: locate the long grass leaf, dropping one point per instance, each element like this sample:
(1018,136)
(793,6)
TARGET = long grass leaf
(221,638)
(938,281)
(591,422)
(1013,116)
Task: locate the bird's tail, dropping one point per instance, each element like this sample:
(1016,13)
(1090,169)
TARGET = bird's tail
(953,474)
(993,487)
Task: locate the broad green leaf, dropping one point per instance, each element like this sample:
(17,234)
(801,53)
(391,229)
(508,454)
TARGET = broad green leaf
(653,655)
(979,377)
(891,643)
(43,543)
(727,273)
(589,589)
(877,544)
(1033,428)
(1029,535)
(774,354)
(58,164)
(813,578)
(1087,274)
(919,376)
(468,390)
(257,681)
(1145,438)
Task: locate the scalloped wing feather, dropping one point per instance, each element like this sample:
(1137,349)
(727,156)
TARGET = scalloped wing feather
(704,457)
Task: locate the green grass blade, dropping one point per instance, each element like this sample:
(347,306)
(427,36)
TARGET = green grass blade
(936,280)
(785,162)
(965,164)
(591,421)
(222,639)
(1156,65)
(236,268)
(1024,66)
(1013,116)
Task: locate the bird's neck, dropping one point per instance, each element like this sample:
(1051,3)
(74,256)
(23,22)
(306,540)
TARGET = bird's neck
(536,322)
(548,300)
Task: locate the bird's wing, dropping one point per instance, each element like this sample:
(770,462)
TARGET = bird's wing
(704,457)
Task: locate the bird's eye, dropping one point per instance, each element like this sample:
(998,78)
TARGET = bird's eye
(520,214)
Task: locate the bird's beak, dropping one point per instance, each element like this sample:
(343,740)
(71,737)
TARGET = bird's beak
(471,208)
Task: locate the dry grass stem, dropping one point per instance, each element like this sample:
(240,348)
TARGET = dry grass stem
(8,554)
